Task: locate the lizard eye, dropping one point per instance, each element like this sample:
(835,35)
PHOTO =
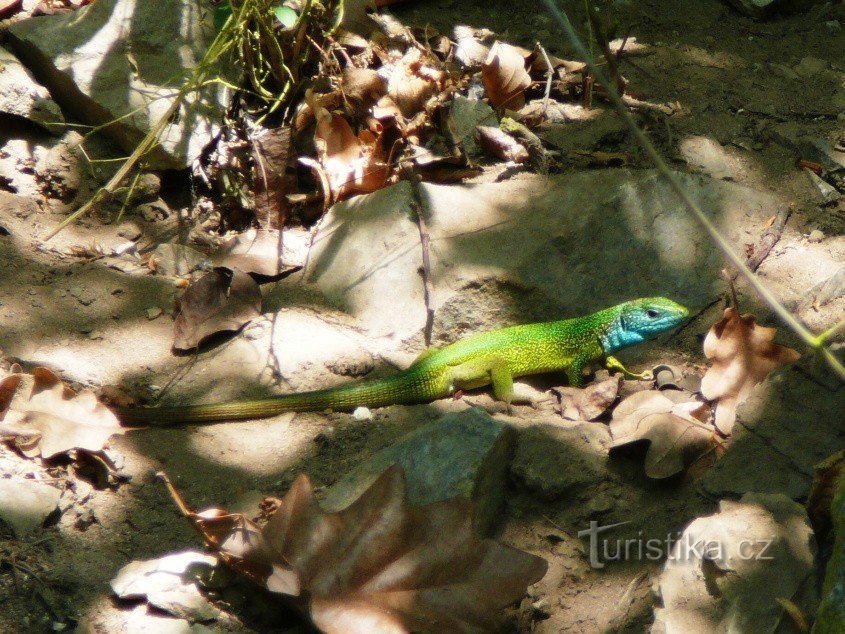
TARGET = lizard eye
(651,313)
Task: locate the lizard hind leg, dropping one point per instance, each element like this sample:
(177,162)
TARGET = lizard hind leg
(485,371)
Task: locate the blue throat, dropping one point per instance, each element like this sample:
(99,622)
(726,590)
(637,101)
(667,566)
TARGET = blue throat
(616,338)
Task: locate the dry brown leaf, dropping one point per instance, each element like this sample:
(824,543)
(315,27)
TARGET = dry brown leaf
(676,433)
(592,401)
(413,80)
(273,175)
(353,164)
(380,565)
(505,77)
(743,353)
(220,301)
(363,87)
(42,416)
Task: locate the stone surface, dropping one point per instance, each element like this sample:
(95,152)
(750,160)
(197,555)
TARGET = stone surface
(765,8)
(789,423)
(122,57)
(21,95)
(528,249)
(461,454)
(24,504)
(555,460)
(727,570)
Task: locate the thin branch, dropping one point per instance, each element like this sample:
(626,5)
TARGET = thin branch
(764,293)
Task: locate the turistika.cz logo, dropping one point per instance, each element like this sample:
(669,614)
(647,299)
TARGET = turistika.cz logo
(675,546)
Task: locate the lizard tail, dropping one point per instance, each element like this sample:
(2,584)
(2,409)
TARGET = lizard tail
(403,388)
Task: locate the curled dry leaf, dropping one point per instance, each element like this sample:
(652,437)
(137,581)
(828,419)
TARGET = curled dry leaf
(592,401)
(743,353)
(676,433)
(169,584)
(413,81)
(42,416)
(220,301)
(505,77)
(353,164)
(380,565)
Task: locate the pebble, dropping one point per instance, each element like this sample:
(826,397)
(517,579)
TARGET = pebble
(816,235)
(362,414)
(153,312)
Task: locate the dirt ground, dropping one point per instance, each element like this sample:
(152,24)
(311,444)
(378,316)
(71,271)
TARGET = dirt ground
(752,87)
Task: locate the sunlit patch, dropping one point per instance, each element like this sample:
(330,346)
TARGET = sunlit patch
(264,447)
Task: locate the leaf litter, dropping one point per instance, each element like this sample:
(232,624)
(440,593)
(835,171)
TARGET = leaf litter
(41,416)
(378,565)
(743,353)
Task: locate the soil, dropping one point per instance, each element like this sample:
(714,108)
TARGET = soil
(744,84)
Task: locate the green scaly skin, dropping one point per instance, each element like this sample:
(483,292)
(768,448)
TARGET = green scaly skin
(494,357)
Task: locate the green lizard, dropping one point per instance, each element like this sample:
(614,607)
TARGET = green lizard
(494,357)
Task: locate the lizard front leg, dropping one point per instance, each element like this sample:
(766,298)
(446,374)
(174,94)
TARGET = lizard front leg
(612,363)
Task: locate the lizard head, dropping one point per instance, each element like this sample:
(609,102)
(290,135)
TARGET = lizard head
(642,319)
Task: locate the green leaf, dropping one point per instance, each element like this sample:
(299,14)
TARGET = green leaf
(286,16)
(221,14)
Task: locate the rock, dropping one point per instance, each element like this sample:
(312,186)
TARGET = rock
(830,289)
(466,115)
(461,454)
(21,95)
(766,8)
(833,27)
(174,260)
(554,460)
(81,57)
(599,127)
(25,504)
(767,433)
(527,249)
(709,157)
(727,571)
(258,252)
(816,235)
(826,193)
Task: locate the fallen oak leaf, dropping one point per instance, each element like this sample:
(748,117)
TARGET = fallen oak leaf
(590,402)
(42,416)
(222,300)
(675,431)
(169,584)
(743,353)
(378,565)
(353,164)
(504,76)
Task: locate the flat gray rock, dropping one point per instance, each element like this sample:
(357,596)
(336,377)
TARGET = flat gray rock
(21,95)
(528,249)
(726,571)
(24,504)
(557,460)
(122,58)
(788,424)
(461,454)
